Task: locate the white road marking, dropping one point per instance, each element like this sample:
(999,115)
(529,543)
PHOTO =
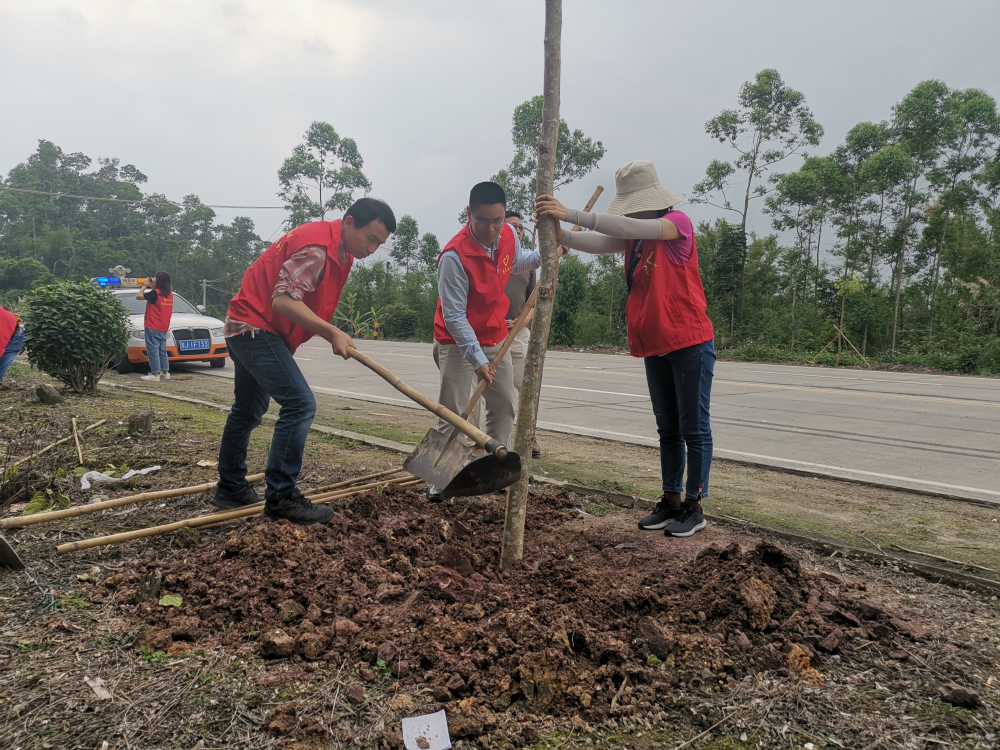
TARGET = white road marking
(591,390)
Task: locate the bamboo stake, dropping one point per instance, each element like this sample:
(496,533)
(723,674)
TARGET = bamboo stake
(143,497)
(47,448)
(512,547)
(376,475)
(76,439)
(853,347)
(945,559)
(212,519)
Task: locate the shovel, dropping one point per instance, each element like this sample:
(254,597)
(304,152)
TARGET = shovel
(8,557)
(499,468)
(439,457)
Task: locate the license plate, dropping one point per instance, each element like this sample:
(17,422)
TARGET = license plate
(193,344)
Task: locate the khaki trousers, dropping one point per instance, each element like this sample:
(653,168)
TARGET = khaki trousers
(458,380)
(518,351)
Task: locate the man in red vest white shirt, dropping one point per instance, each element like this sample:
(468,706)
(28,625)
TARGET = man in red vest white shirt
(668,327)
(470,324)
(289,294)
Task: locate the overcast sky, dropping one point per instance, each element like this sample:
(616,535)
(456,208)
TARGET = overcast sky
(208,97)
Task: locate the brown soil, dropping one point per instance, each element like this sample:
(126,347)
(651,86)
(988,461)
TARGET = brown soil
(602,624)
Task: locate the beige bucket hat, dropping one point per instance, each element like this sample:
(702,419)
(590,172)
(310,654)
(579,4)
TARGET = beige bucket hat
(637,188)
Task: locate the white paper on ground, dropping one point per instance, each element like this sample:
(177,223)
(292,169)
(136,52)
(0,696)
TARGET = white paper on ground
(96,476)
(431,728)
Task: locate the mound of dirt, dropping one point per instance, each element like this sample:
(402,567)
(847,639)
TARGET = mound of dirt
(596,624)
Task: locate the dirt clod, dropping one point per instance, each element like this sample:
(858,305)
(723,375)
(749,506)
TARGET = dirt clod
(956,695)
(277,643)
(283,720)
(356,694)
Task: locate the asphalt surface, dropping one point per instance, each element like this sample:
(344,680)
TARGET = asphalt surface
(936,433)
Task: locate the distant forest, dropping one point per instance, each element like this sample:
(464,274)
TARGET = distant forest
(886,248)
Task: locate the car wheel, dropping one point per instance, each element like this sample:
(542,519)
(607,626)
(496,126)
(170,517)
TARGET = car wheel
(124,366)
(221,362)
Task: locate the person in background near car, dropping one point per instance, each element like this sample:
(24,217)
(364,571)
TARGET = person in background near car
(289,294)
(11,340)
(469,325)
(159,296)
(667,326)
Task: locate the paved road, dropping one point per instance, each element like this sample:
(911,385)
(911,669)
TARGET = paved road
(929,432)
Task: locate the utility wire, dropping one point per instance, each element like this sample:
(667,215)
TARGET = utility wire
(126,200)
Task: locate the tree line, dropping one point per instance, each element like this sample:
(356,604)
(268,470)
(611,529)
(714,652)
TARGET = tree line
(885,250)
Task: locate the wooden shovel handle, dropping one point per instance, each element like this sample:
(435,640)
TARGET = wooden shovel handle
(480,438)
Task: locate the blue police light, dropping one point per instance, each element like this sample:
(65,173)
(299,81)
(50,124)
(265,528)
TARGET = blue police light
(106,280)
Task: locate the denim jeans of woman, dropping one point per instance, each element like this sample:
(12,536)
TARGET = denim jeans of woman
(680,387)
(10,352)
(156,351)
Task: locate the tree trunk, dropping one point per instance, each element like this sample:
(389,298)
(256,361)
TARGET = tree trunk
(743,224)
(795,283)
(934,285)
(840,336)
(517,495)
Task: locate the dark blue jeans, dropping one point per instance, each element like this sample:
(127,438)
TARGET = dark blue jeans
(680,386)
(265,370)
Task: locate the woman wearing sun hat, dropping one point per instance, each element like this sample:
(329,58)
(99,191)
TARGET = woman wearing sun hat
(667,326)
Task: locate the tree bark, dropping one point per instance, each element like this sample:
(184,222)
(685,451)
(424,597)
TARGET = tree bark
(517,495)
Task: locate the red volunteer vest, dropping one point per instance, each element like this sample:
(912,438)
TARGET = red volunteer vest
(8,327)
(666,303)
(253,303)
(158,313)
(487,304)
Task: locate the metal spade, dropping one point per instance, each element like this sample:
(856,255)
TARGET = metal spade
(440,456)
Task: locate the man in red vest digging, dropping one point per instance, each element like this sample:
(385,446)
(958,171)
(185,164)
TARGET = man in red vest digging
(470,324)
(289,295)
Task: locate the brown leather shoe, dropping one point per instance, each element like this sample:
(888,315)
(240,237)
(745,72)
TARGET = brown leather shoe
(536,449)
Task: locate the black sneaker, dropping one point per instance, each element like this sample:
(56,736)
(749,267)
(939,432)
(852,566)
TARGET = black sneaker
(662,514)
(224,499)
(295,508)
(435,495)
(688,522)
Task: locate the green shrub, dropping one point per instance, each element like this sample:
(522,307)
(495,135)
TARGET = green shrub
(74,332)
(570,293)
(399,322)
(989,357)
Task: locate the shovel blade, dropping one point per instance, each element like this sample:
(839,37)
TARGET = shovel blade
(485,475)
(8,557)
(438,458)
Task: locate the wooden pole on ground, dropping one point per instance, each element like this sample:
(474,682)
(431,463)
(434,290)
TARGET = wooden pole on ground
(216,518)
(144,497)
(366,477)
(76,439)
(49,447)
(517,494)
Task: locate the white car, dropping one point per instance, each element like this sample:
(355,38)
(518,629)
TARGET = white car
(193,336)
